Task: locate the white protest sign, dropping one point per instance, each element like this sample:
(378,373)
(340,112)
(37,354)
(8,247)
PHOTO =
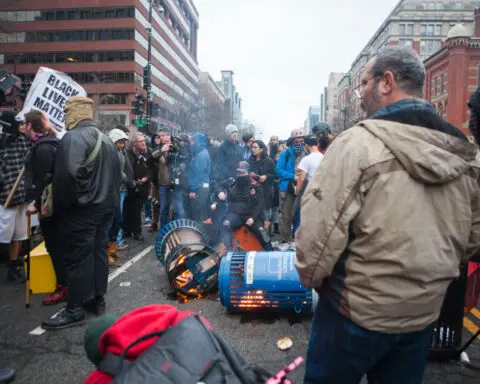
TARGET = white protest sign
(49,93)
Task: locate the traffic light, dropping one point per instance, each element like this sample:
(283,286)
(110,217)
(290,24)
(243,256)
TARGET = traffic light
(138,105)
(147,78)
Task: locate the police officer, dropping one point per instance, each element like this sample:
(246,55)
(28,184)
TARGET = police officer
(245,208)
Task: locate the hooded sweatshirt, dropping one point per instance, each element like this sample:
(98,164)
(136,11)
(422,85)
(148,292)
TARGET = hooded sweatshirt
(386,234)
(200,165)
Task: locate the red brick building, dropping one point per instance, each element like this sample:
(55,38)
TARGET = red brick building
(103,45)
(453,74)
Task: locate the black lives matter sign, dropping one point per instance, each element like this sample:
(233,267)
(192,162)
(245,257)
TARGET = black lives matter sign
(49,93)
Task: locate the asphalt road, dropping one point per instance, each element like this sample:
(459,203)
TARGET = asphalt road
(58,357)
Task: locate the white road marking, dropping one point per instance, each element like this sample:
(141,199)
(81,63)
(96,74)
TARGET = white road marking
(40,331)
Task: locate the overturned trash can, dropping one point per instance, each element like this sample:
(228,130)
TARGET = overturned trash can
(191,265)
(263,281)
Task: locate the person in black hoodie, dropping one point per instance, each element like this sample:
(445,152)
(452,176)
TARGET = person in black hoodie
(86,191)
(262,170)
(245,207)
(227,157)
(39,172)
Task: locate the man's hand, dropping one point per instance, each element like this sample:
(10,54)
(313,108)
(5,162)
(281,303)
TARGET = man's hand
(222,196)
(142,180)
(213,207)
(166,148)
(193,195)
(250,222)
(262,179)
(31,209)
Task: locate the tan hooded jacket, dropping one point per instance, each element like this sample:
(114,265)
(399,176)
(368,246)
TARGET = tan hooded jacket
(386,220)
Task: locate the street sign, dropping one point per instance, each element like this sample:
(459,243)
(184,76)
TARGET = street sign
(140,122)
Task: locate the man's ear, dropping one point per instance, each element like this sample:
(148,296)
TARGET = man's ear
(387,83)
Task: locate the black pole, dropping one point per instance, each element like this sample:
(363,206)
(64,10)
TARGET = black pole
(149,65)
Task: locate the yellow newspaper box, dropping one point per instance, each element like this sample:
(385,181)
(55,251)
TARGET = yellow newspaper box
(42,274)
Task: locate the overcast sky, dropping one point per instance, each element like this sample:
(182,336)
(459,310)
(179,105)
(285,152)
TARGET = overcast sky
(282,51)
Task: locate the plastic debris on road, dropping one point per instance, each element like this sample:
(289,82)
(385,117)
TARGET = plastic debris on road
(285,343)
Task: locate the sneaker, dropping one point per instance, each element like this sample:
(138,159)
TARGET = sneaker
(16,275)
(147,222)
(112,262)
(60,295)
(153,228)
(65,319)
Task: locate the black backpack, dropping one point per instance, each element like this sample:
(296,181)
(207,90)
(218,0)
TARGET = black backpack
(188,353)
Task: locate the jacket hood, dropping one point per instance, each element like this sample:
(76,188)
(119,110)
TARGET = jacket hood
(430,157)
(79,108)
(200,142)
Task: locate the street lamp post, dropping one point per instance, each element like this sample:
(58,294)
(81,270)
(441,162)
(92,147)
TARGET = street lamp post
(149,65)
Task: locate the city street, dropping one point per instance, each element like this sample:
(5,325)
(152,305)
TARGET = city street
(58,357)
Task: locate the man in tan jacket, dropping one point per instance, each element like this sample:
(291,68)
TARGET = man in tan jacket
(393,209)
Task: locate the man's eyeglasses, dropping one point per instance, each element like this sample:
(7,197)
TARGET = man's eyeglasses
(358,92)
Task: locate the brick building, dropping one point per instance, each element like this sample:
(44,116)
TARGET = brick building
(453,74)
(103,44)
(420,24)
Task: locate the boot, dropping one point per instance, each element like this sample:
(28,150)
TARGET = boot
(60,295)
(276,228)
(112,249)
(65,319)
(112,262)
(122,247)
(6,375)
(96,306)
(15,273)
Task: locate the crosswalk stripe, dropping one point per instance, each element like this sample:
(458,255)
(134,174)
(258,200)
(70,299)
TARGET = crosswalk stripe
(472,328)
(475,312)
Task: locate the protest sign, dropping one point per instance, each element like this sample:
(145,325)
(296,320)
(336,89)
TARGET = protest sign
(49,93)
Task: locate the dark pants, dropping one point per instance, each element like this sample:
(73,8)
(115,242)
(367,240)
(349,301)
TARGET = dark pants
(199,207)
(178,198)
(50,235)
(341,352)
(115,224)
(84,237)
(234,221)
(164,194)
(132,213)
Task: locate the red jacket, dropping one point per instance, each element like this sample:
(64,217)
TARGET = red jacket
(133,325)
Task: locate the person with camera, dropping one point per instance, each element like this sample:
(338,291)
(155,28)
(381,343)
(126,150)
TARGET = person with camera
(180,160)
(14,147)
(199,178)
(285,170)
(246,203)
(137,194)
(262,170)
(163,157)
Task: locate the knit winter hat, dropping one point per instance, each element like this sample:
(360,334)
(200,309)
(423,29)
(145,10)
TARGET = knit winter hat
(230,128)
(117,134)
(94,331)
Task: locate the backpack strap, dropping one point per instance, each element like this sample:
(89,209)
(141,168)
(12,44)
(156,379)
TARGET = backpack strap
(94,153)
(113,365)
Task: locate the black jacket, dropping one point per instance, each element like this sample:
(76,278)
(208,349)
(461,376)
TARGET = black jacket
(76,184)
(142,166)
(246,200)
(39,167)
(227,158)
(265,167)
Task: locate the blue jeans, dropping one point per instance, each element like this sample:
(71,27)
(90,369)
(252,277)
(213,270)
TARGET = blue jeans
(148,209)
(178,204)
(341,352)
(164,193)
(123,194)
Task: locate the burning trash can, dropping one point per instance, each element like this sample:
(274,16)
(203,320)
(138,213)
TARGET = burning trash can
(259,281)
(191,265)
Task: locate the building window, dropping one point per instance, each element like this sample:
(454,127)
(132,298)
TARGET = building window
(409,30)
(442,83)
(435,86)
(402,29)
(105,34)
(438,30)
(406,43)
(430,29)
(423,29)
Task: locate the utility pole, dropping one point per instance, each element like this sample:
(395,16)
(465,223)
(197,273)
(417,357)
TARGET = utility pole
(148,87)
